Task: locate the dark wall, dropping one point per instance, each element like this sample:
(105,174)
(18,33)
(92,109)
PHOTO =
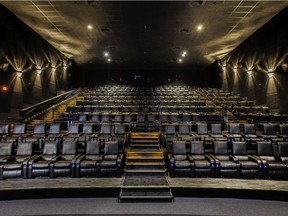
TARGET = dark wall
(23,50)
(99,75)
(265,51)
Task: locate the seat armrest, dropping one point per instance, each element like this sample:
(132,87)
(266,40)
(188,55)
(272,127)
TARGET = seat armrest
(81,158)
(35,158)
(190,158)
(7,159)
(208,157)
(233,158)
(216,160)
(75,158)
(254,158)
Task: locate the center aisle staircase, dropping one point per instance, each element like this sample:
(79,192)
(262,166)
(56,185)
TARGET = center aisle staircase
(145,172)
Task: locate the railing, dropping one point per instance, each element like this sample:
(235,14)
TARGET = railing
(47,105)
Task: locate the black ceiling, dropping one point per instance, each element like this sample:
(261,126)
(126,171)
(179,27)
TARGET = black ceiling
(145,33)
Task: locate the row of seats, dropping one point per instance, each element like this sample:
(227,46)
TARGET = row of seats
(270,161)
(60,160)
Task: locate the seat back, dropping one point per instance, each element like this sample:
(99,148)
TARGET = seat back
(87,129)
(50,148)
(216,129)
(24,149)
(163,118)
(127,118)
(4,128)
(105,129)
(140,118)
(151,118)
(111,148)
(202,129)
(95,118)
(69,147)
(93,148)
(19,128)
(105,118)
(184,129)
(170,129)
(54,128)
(197,147)
(119,129)
(73,129)
(269,129)
(179,147)
(6,148)
(39,128)
(239,148)
(249,129)
(283,151)
(234,129)
(283,129)
(265,148)
(82,118)
(220,148)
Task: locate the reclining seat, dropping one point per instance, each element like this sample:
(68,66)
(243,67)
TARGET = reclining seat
(251,166)
(87,132)
(4,131)
(18,132)
(283,129)
(170,135)
(88,164)
(111,165)
(225,166)
(273,166)
(54,132)
(105,132)
(73,132)
(269,132)
(234,132)
(251,137)
(180,166)
(216,132)
(283,151)
(16,167)
(202,164)
(39,166)
(38,135)
(65,165)
(119,135)
(6,149)
(184,132)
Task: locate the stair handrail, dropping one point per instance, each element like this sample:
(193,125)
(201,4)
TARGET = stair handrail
(46,105)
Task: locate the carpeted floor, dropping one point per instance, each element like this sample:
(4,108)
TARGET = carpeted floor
(109,207)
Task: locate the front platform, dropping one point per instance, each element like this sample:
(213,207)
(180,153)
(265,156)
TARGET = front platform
(13,189)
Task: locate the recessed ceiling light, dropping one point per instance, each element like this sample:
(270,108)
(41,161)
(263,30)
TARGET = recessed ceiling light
(180,60)
(106,54)
(90,27)
(109,60)
(184,54)
(199,27)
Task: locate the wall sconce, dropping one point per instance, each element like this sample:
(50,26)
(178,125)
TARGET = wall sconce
(19,74)
(249,72)
(270,74)
(53,69)
(39,71)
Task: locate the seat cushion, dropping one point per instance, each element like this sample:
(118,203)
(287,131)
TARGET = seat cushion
(180,157)
(108,163)
(12,166)
(182,164)
(202,164)
(249,165)
(227,164)
(88,164)
(277,166)
(41,165)
(62,164)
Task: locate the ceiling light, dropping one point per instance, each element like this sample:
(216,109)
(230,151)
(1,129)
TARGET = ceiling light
(199,27)
(109,60)
(39,71)
(180,60)
(184,54)
(249,72)
(90,27)
(106,54)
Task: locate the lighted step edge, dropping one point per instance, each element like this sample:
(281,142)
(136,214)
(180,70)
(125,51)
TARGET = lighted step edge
(144,154)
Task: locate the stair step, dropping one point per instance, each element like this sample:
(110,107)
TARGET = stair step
(137,146)
(147,171)
(145,141)
(146,154)
(137,159)
(145,166)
